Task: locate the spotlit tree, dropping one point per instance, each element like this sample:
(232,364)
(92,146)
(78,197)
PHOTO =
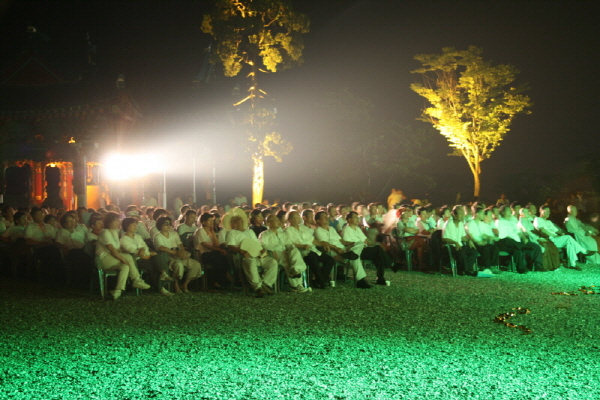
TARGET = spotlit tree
(472,102)
(257,36)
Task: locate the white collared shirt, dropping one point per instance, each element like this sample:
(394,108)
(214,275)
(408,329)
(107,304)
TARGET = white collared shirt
(330,236)
(71,240)
(353,234)
(507,229)
(303,235)
(40,234)
(453,232)
(133,244)
(541,223)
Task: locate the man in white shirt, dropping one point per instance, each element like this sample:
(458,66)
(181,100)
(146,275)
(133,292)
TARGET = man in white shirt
(515,208)
(283,250)
(406,229)
(585,235)
(550,257)
(240,199)
(342,211)
(261,284)
(41,237)
(513,241)
(320,263)
(463,249)
(558,237)
(478,232)
(177,203)
(330,241)
(38,233)
(353,234)
(424,224)
(187,229)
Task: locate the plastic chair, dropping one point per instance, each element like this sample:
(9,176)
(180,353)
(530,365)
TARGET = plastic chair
(103,278)
(511,261)
(448,247)
(403,247)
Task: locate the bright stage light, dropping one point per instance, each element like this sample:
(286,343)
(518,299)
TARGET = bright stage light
(119,167)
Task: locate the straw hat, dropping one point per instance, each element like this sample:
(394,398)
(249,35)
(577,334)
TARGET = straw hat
(235,212)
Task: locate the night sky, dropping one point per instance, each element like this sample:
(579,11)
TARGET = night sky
(367,46)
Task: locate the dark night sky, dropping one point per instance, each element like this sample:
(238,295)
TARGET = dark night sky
(367,46)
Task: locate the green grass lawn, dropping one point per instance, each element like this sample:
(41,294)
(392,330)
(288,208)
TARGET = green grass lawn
(425,336)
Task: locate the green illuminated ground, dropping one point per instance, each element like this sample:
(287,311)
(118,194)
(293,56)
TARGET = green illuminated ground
(426,336)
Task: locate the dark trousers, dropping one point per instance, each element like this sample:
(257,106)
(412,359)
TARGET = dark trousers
(79,264)
(515,250)
(488,254)
(320,265)
(152,269)
(47,261)
(218,265)
(533,251)
(465,259)
(379,257)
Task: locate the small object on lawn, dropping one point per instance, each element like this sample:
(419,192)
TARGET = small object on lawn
(582,289)
(504,317)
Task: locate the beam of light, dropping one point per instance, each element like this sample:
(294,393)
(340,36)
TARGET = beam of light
(119,167)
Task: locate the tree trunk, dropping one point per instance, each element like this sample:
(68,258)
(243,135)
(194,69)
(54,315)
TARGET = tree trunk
(258,179)
(476,183)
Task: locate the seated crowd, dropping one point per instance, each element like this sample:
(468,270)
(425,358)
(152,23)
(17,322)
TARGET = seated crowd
(309,241)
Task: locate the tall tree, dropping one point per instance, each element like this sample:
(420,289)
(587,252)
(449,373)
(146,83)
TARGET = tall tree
(257,36)
(472,102)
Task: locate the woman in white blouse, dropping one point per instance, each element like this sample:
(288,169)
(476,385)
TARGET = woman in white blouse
(207,244)
(17,230)
(133,243)
(168,241)
(108,248)
(71,239)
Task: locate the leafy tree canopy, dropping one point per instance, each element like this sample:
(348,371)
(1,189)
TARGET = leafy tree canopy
(265,31)
(471,102)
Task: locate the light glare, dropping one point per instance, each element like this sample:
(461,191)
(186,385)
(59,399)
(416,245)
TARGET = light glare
(119,167)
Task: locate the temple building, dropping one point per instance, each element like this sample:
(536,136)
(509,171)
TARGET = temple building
(56,117)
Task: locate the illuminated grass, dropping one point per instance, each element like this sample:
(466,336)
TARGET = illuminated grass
(424,337)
